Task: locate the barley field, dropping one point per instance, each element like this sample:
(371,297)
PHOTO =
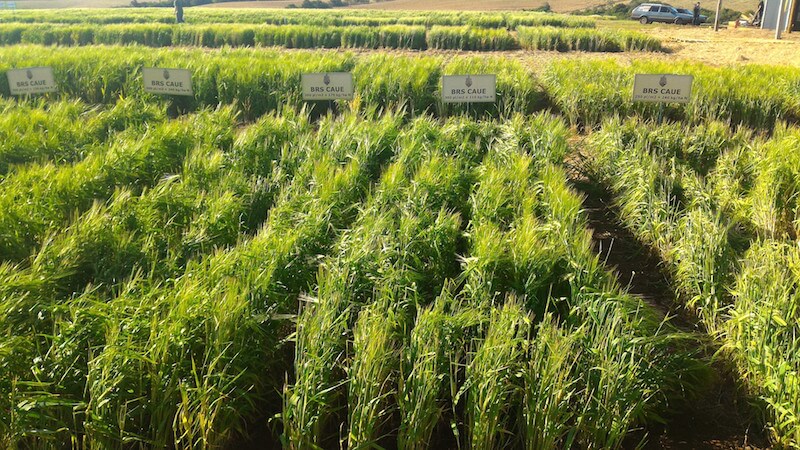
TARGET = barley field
(245,269)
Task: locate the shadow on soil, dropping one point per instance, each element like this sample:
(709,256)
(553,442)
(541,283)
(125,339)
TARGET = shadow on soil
(723,417)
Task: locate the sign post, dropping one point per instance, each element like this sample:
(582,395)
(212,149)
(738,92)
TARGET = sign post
(662,89)
(31,80)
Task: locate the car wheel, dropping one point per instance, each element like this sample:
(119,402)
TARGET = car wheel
(680,22)
(644,20)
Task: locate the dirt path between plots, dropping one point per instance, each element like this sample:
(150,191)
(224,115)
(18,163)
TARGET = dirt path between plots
(721,419)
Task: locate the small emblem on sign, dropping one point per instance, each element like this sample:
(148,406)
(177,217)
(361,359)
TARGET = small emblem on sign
(663,81)
(166,74)
(468,81)
(29,74)
(326,79)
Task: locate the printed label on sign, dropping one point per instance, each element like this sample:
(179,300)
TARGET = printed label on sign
(469,89)
(167,81)
(33,80)
(328,86)
(662,88)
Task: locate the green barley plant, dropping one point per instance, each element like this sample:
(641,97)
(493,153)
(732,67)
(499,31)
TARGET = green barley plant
(172,362)
(493,382)
(438,340)
(550,385)
(73,129)
(585,40)
(372,375)
(378,79)
(342,18)
(587,93)
(773,200)
(468,38)
(136,162)
(312,400)
(761,332)
(389,272)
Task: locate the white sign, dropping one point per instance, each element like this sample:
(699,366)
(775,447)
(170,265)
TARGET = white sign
(469,88)
(167,81)
(328,86)
(662,88)
(33,80)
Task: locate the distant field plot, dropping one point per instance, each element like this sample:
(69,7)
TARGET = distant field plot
(338,17)
(409,37)
(50,4)
(471,5)
(475,5)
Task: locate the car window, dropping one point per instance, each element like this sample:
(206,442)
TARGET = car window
(654,9)
(665,9)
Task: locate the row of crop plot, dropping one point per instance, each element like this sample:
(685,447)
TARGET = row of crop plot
(360,279)
(259,81)
(338,18)
(170,282)
(410,37)
(379,275)
(757,97)
(65,131)
(721,209)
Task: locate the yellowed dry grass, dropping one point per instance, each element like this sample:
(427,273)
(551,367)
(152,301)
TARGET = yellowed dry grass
(438,5)
(50,4)
(728,46)
(267,4)
(480,5)
(417,5)
(495,5)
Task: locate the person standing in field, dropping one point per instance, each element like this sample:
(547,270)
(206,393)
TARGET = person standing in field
(179,11)
(696,19)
